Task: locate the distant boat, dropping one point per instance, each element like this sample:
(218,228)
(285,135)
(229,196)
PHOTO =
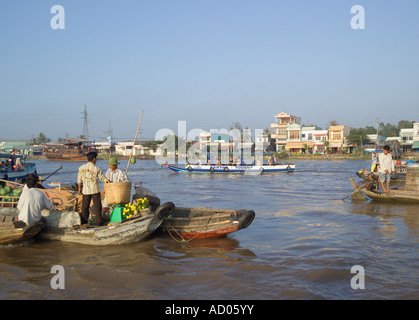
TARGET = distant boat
(20,169)
(191,168)
(69,150)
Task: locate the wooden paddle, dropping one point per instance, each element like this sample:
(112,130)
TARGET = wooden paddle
(357,190)
(53,173)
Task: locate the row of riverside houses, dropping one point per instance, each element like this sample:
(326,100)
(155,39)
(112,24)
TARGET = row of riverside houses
(289,135)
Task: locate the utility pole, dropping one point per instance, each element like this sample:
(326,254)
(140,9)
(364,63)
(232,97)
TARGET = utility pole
(376,142)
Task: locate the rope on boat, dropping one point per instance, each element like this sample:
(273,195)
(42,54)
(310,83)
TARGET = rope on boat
(183,239)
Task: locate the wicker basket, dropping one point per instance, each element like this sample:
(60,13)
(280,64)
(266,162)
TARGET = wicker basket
(118,192)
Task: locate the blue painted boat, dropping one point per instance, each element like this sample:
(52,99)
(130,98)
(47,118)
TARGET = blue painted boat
(191,168)
(18,171)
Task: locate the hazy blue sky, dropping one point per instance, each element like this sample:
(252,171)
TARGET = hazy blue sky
(209,62)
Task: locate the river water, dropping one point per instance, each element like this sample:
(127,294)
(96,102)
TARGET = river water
(301,245)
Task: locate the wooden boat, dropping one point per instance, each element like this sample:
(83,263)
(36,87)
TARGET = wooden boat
(69,150)
(394,195)
(65,226)
(13,231)
(191,168)
(410,193)
(191,223)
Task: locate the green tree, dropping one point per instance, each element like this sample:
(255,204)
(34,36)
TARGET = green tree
(405,124)
(41,139)
(388,130)
(358,137)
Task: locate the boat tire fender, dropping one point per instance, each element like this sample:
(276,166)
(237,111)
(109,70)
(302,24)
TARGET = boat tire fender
(212,169)
(190,169)
(246,219)
(289,168)
(226,169)
(164,210)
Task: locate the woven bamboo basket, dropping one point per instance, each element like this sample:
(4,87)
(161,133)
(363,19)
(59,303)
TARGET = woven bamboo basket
(118,192)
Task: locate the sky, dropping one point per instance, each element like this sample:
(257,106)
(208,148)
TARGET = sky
(207,62)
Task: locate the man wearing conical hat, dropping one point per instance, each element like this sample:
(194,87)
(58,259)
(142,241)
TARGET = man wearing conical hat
(113,174)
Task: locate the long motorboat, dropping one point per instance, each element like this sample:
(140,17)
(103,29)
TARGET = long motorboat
(191,168)
(18,170)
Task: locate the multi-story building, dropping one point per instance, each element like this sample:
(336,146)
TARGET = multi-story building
(337,137)
(294,139)
(319,139)
(406,138)
(279,129)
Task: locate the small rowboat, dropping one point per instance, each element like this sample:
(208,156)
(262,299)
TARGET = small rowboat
(13,231)
(193,168)
(191,223)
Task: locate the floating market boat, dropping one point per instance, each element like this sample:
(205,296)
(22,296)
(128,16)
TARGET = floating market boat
(191,223)
(66,226)
(191,168)
(69,150)
(409,194)
(19,169)
(13,231)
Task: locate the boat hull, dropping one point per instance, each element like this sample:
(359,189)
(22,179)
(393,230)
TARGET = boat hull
(128,231)
(66,158)
(231,169)
(65,226)
(394,195)
(200,223)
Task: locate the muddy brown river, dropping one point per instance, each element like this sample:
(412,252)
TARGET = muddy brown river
(302,244)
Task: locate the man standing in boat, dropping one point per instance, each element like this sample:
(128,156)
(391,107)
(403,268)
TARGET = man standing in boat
(90,189)
(113,174)
(385,160)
